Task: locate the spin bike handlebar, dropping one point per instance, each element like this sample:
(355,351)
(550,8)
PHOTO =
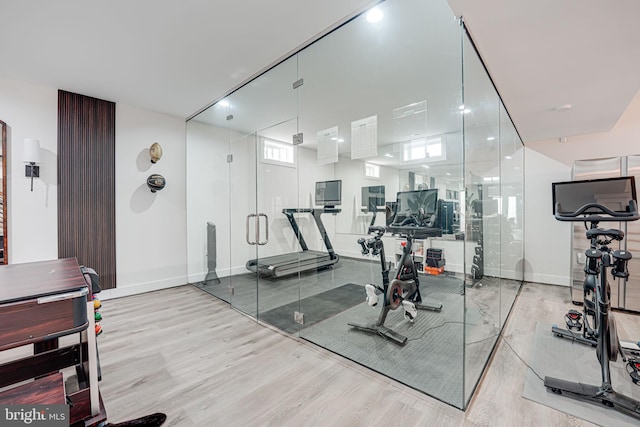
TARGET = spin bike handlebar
(595,212)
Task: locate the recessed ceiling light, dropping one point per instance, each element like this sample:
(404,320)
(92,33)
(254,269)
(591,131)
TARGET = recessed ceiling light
(223,103)
(565,107)
(491,138)
(461,107)
(508,157)
(375,15)
(340,140)
(425,166)
(334,139)
(388,155)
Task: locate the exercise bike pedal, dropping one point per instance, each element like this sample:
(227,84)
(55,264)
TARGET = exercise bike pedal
(573,320)
(372,297)
(410,310)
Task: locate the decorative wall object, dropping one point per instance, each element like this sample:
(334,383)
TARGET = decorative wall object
(155,151)
(86,189)
(156,182)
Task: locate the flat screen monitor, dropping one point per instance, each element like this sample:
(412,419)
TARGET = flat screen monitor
(613,193)
(329,193)
(373,198)
(411,202)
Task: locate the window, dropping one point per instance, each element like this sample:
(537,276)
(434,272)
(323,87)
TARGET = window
(423,149)
(414,150)
(371,170)
(278,153)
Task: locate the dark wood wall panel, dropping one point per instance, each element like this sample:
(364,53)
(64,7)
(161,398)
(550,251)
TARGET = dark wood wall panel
(86,183)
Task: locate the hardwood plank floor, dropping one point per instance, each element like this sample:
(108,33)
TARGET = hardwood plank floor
(185,353)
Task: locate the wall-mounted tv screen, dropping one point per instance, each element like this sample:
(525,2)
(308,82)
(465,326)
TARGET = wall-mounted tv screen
(613,193)
(373,198)
(411,202)
(329,193)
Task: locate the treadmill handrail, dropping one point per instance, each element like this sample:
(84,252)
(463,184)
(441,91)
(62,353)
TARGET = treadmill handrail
(315,212)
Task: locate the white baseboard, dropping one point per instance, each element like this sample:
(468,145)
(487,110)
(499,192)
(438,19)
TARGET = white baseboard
(199,277)
(125,291)
(547,279)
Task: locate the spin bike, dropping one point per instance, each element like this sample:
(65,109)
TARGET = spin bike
(600,259)
(582,327)
(403,290)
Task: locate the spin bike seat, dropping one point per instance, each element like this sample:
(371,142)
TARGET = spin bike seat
(613,233)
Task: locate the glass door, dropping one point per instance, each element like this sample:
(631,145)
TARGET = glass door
(263,182)
(246,229)
(282,229)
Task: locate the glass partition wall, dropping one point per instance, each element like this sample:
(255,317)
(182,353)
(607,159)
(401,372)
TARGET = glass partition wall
(364,145)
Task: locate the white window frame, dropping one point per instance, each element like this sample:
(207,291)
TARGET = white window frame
(277,149)
(371,171)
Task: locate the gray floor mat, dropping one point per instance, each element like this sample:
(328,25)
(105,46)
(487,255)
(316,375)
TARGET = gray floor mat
(432,359)
(562,358)
(316,308)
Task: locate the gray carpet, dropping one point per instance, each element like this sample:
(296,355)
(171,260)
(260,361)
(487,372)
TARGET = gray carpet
(561,358)
(432,359)
(316,308)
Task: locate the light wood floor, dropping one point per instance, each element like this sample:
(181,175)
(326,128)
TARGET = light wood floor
(183,352)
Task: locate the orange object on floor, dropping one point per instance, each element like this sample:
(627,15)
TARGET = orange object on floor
(98,329)
(434,270)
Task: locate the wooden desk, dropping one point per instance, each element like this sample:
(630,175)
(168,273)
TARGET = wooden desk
(40,302)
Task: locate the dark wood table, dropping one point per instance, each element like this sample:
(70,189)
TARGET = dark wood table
(39,303)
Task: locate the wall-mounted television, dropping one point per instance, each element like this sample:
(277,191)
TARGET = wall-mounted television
(329,193)
(373,198)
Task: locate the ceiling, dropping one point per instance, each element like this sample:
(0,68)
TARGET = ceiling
(563,67)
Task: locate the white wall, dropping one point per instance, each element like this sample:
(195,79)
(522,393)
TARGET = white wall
(31,112)
(150,229)
(207,197)
(547,242)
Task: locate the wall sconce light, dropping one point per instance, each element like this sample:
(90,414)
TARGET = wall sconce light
(31,155)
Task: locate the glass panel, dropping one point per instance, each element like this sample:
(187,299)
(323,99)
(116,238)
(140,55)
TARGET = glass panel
(280,253)
(263,182)
(485,217)
(244,231)
(208,221)
(402,228)
(512,201)
(379,111)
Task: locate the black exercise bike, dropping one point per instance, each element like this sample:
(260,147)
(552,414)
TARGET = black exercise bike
(403,291)
(597,292)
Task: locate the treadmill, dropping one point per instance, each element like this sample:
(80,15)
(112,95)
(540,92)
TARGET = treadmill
(328,194)
(294,262)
